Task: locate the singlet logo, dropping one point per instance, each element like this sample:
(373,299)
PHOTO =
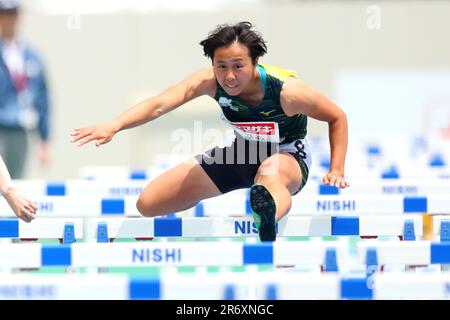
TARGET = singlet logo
(267,113)
(227,103)
(256,131)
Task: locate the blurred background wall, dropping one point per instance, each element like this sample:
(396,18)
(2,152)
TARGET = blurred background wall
(104,56)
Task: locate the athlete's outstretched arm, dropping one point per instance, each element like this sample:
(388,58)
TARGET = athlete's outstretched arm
(197,84)
(299,98)
(23,208)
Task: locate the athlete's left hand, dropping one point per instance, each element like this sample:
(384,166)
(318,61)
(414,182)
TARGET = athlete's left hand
(336,179)
(23,208)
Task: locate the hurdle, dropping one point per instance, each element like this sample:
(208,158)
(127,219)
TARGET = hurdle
(337,204)
(238,205)
(103,229)
(412,150)
(389,172)
(123,188)
(410,253)
(132,254)
(254,286)
(406,187)
(67,230)
(84,206)
(408,226)
(138,254)
(107,188)
(119,172)
(381,172)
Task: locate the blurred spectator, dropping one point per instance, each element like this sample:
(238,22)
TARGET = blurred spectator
(24,104)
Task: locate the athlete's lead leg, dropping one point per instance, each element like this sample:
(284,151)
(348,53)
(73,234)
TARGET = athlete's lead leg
(270,197)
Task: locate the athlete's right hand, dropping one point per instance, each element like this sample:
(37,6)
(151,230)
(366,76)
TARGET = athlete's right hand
(100,133)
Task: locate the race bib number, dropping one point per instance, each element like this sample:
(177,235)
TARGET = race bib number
(256,131)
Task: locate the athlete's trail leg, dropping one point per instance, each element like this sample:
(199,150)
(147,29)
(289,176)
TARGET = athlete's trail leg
(178,189)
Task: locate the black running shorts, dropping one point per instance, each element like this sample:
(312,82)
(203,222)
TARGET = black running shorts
(235,166)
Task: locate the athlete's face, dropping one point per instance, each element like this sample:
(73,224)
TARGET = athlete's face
(8,24)
(233,67)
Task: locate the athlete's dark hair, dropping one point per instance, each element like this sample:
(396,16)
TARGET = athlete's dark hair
(241,32)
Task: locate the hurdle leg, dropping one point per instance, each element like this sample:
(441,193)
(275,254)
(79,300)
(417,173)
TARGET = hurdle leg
(69,270)
(5,270)
(104,269)
(427,225)
(25,240)
(445,237)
